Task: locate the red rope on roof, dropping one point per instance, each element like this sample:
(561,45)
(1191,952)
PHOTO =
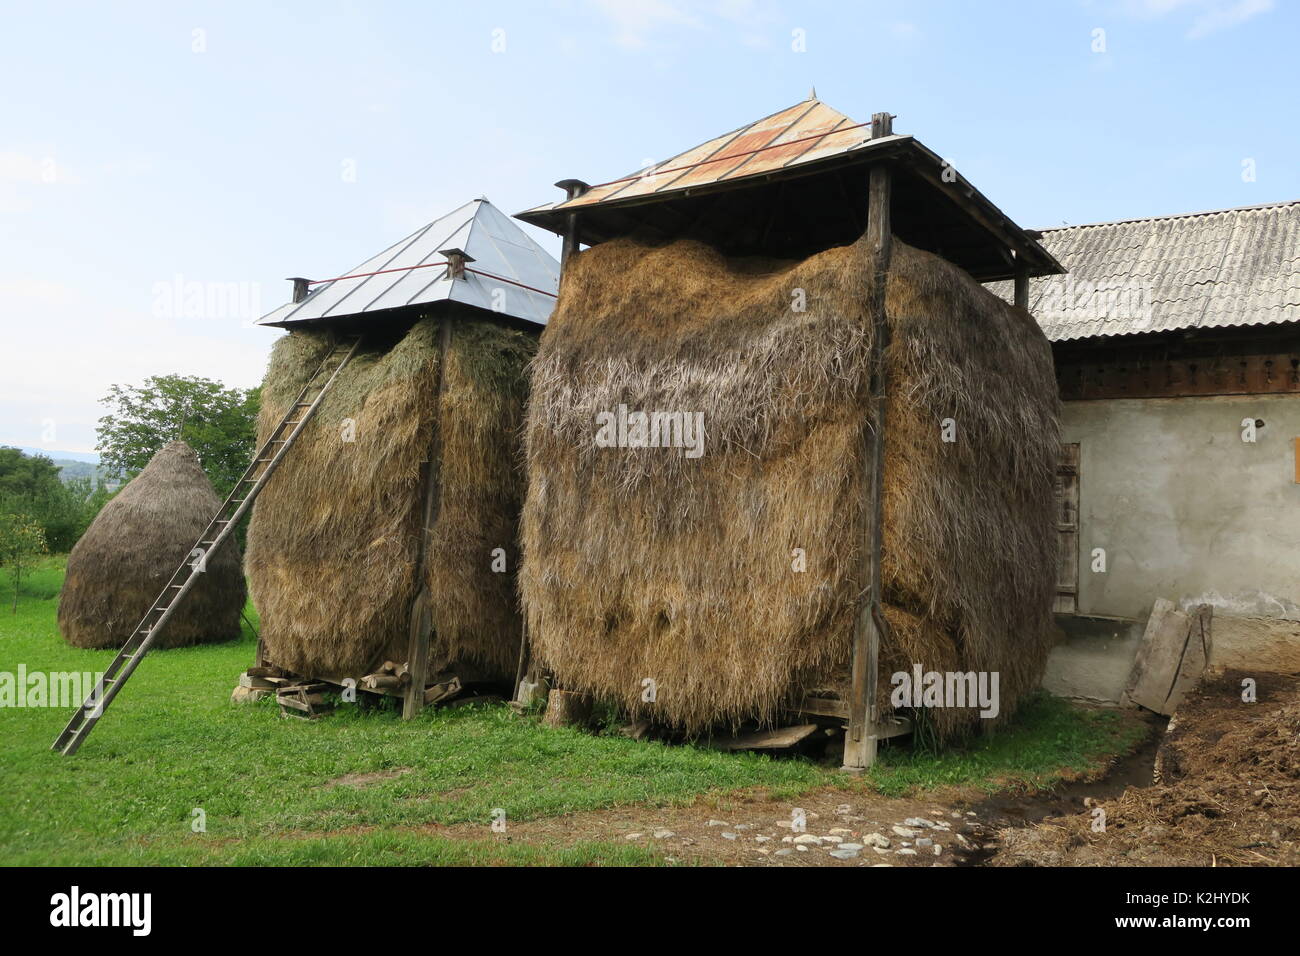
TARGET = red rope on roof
(719,159)
(427,265)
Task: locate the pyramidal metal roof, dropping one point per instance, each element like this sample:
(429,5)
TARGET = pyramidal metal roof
(510,273)
(804,164)
(799,134)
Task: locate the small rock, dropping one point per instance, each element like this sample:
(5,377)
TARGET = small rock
(761,839)
(787,839)
(664,834)
(786,852)
(955,815)
(801,848)
(905,852)
(876,839)
(840,830)
(937,849)
(842,854)
(879,850)
(728,836)
(904,831)
(743,826)
(881,864)
(921,822)
(633,836)
(844,809)
(855,847)
(716,823)
(970,813)
(833,839)
(764,850)
(808,838)
(925,841)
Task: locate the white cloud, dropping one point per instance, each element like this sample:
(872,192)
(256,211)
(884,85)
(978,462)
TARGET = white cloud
(1221,16)
(635,20)
(1208,16)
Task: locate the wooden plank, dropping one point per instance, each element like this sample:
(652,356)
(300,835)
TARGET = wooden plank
(778,739)
(860,740)
(1067,530)
(1174,651)
(1297,459)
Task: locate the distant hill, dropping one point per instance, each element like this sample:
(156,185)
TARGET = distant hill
(72,464)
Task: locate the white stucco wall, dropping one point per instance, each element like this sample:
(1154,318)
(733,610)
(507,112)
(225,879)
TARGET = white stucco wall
(1184,508)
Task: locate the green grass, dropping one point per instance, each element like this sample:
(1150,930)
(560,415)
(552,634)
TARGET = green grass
(173,743)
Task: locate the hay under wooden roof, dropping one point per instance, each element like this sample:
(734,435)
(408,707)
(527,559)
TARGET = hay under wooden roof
(646,563)
(334,545)
(129,552)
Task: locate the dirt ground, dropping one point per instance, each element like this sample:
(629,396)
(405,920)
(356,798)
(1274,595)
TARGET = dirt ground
(1228,792)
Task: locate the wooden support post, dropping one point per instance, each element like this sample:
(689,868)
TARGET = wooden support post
(573,188)
(456,260)
(1021,285)
(860,740)
(421,628)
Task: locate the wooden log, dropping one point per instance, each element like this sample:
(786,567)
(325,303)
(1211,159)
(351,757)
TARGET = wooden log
(420,635)
(444,690)
(383,682)
(860,740)
(566,708)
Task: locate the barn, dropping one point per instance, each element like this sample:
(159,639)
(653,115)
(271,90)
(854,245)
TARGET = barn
(1177,350)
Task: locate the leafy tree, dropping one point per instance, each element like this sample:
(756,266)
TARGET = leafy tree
(30,485)
(21,540)
(219,423)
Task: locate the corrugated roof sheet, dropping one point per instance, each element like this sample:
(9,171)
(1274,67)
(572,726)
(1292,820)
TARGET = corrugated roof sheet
(499,249)
(1233,267)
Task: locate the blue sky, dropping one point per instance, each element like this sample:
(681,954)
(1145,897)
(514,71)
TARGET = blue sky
(233,144)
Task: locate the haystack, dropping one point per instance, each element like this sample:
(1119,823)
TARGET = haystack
(130,551)
(644,562)
(334,556)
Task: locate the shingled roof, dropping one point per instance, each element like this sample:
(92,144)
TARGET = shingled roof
(1232,267)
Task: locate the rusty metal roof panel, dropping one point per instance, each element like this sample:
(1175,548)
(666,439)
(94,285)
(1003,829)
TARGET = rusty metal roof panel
(742,152)
(1220,269)
(510,274)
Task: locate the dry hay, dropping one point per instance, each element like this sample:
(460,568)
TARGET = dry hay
(132,548)
(334,544)
(642,563)
(1228,793)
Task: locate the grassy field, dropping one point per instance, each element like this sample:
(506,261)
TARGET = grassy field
(173,744)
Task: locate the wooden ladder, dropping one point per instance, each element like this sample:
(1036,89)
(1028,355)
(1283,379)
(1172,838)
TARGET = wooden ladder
(267,459)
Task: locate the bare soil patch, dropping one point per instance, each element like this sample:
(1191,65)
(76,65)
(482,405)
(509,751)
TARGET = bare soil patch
(1227,792)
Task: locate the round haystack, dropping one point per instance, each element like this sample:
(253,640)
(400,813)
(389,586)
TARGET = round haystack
(129,552)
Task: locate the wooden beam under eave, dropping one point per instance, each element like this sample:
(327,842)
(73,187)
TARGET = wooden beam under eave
(869,625)
(1022,285)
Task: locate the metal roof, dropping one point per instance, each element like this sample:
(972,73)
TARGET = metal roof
(804,140)
(1231,267)
(511,274)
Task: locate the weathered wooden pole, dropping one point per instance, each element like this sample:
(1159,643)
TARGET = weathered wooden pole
(421,627)
(860,740)
(1021,284)
(573,188)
